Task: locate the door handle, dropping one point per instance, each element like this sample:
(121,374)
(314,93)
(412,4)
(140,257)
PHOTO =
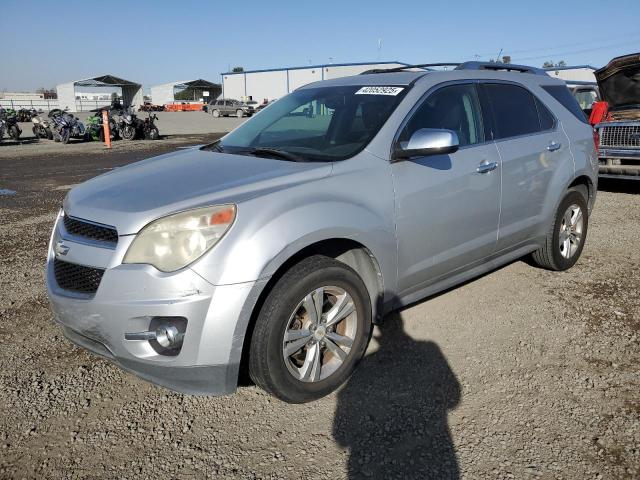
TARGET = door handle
(486,167)
(553,146)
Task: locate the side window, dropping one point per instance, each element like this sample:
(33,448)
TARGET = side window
(568,101)
(514,110)
(456,108)
(547,121)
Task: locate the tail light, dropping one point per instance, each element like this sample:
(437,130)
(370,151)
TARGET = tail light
(596,140)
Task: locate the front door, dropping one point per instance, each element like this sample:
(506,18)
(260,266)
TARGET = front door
(447,206)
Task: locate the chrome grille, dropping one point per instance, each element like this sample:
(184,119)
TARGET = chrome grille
(620,136)
(90,230)
(77,278)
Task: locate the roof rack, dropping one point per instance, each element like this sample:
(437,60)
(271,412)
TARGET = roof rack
(494,66)
(424,66)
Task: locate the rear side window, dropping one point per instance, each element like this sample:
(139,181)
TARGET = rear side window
(514,110)
(568,101)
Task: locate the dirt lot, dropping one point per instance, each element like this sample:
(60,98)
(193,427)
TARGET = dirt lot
(522,373)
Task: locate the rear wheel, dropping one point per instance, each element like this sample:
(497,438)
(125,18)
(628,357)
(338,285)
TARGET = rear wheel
(65,135)
(311,332)
(566,237)
(14,132)
(239,113)
(48,133)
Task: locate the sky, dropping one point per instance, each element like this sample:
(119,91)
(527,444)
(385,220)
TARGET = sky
(153,42)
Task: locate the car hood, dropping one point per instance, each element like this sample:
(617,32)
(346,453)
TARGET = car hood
(619,81)
(130,197)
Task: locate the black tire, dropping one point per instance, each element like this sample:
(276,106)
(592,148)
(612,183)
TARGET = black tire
(36,132)
(48,133)
(267,366)
(101,135)
(128,133)
(153,134)
(14,132)
(550,256)
(65,135)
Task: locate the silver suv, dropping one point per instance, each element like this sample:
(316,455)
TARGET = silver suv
(224,108)
(277,247)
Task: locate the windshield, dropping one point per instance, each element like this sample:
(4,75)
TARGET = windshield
(323,124)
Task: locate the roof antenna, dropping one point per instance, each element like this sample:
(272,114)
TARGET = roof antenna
(379,47)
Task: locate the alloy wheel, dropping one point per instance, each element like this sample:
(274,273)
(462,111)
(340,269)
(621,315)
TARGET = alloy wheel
(571,230)
(320,334)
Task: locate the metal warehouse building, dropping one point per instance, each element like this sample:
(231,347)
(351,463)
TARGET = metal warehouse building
(185,91)
(89,93)
(274,83)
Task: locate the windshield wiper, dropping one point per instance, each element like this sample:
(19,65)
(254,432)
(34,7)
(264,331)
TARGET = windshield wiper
(292,157)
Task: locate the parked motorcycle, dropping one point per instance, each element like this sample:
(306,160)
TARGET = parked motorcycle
(2,129)
(42,128)
(128,125)
(149,129)
(11,124)
(26,114)
(66,126)
(95,128)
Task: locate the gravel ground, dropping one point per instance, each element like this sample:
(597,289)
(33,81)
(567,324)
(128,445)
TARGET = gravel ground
(522,373)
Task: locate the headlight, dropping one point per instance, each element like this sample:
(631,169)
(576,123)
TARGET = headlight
(173,242)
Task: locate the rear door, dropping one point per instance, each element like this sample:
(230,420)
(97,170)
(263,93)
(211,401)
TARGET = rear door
(531,146)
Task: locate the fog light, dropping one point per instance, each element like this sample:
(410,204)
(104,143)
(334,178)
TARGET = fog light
(165,335)
(168,336)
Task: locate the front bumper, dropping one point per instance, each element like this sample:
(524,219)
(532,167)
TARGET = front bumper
(129,297)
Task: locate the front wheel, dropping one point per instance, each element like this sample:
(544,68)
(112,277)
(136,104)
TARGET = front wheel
(153,134)
(216,113)
(311,332)
(566,237)
(128,132)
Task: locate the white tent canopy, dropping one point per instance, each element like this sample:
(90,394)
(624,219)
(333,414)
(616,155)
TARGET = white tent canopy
(185,90)
(70,96)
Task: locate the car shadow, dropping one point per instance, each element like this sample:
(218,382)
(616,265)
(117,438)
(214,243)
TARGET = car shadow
(392,413)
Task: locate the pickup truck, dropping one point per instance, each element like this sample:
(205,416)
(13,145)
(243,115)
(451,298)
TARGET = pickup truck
(619,131)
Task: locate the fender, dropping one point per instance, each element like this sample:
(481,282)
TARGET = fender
(355,202)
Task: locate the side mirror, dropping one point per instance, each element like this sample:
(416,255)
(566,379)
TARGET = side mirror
(427,141)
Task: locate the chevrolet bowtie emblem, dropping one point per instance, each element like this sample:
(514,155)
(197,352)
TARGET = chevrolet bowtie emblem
(61,248)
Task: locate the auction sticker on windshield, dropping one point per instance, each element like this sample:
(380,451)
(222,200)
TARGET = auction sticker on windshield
(379,91)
